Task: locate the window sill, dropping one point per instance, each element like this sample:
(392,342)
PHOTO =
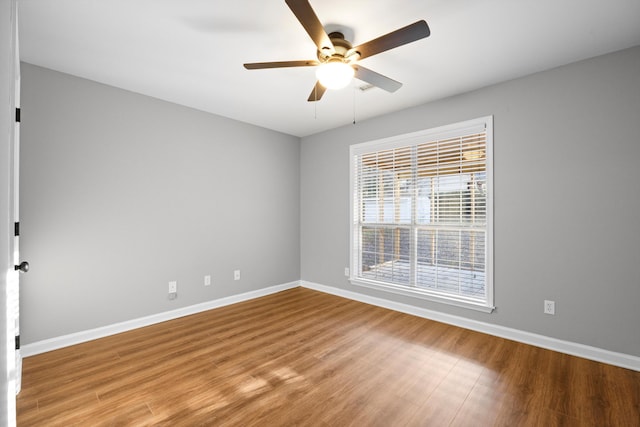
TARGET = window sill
(423,294)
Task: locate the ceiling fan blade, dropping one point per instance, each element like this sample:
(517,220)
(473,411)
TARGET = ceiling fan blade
(317,92)
(376,79)
(280,64)
(410,33)
(309,20)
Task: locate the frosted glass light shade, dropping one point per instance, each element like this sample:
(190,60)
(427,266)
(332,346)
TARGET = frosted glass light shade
(334,74)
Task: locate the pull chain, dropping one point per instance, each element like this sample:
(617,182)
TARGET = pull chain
(354,104)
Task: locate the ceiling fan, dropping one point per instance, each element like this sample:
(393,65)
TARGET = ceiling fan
(337,59)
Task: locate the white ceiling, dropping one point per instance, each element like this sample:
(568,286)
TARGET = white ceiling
(191,52)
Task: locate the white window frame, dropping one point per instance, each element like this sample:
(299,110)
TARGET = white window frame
(411,139)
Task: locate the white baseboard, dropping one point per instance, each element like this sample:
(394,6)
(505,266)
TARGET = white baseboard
(92,334)
(587,352)
(575,349)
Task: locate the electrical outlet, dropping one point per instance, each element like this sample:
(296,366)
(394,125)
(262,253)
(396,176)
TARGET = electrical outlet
(207,280)
(173,287)
(346,271)
(236,275)
(549,307)
(173,290)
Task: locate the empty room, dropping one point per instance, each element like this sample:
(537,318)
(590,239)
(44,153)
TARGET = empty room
(320,213)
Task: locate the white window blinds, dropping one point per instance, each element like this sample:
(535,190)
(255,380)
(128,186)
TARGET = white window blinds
(421,208)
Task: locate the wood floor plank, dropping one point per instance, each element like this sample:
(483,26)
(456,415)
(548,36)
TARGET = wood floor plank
(301,357)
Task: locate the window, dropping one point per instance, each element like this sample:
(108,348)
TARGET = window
(422,214)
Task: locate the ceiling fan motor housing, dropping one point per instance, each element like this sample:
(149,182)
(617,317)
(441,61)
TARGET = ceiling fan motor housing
(342,49)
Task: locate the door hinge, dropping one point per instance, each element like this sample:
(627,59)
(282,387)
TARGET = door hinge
(17,342)
(18,115)
(16,229)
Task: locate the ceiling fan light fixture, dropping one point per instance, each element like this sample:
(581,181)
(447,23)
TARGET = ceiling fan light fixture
(334,74)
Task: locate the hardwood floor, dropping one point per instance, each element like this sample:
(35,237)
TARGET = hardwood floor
(302,357)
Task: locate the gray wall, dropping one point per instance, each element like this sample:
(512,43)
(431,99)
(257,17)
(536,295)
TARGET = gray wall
(566,194)
(121,193)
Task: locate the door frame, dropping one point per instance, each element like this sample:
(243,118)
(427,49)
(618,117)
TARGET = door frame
(13,285)
(8,52)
